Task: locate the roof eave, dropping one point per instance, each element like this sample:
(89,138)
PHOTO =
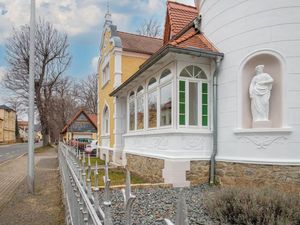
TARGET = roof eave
(161,53)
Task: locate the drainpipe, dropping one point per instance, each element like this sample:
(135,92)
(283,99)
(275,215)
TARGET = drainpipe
(215,122)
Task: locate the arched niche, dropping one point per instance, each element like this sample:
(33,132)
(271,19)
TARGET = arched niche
(273,66)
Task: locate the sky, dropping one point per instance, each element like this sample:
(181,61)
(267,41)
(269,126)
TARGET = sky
(82,21)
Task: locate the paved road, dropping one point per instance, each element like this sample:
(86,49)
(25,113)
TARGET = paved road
(8,152)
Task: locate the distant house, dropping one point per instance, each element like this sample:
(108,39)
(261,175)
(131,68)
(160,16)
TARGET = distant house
(7,124)
(23,129)
(82,125)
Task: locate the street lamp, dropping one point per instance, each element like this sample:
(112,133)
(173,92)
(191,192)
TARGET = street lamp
(30,176)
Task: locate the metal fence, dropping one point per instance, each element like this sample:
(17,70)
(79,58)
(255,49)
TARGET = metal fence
(81,199)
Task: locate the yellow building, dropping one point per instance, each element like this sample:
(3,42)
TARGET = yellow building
(121,54)
(7,124)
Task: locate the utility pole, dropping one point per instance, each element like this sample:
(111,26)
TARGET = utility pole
(30,176)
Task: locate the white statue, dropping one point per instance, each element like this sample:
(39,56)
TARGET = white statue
(260,92)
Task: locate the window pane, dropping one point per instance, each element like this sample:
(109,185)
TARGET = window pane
(166,75)
(181,102)
(182,119)
(152,83)
(166,105)
(152,109)
(204,104)
(140,112)
(193,103)
(131,115)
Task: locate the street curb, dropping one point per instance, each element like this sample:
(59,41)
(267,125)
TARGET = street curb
(13,159)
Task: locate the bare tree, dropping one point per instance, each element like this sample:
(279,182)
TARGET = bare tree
(87,93)
(63,103)
(51,59)
(150,28)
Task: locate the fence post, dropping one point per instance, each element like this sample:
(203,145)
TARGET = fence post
(89,183)
(83,173)
(181,212)
(107,202)
(128,199)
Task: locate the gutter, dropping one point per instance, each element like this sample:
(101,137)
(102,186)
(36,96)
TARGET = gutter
(212,176)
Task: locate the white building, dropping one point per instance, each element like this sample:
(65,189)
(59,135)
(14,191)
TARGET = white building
(185,115)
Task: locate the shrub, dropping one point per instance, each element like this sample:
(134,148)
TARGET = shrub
(245,206)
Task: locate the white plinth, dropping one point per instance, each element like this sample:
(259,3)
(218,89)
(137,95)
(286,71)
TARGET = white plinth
(262,124)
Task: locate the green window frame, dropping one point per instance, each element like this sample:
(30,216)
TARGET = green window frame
(189,74)
(181,102)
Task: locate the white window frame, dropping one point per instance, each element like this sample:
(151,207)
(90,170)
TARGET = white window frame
(199,81)
(104,127)
(145,93)
(105,71)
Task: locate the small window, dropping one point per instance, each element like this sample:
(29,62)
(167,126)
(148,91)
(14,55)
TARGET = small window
(193,72)
(152,83)
(140,108)
(165,75)
(105,121)
(131,111)
(105,75)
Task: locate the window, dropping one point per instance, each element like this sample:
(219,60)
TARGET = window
(140,108)
(193,97)
(131,111)
(105,121)
(105,74)
(152,103)
(166,99)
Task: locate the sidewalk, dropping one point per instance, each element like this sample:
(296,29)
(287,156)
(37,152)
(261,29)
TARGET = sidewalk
(45,206)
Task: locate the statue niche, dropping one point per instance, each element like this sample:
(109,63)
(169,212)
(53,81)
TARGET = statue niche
(260,92)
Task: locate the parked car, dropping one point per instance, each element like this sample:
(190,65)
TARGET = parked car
(92,148)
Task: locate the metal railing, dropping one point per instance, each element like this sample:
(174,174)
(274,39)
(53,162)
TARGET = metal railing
(81,200)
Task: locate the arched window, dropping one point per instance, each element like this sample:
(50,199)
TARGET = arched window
(105,121)
(166,98)
(166,75)
(132,111)
(193,97)
(152,103)
(140,108)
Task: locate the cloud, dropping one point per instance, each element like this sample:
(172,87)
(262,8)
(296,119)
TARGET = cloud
(74,17)
(95,64)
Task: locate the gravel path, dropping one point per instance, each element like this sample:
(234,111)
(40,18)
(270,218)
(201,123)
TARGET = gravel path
(154,204)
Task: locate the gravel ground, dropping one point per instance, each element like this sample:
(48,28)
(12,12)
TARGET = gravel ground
(153,205)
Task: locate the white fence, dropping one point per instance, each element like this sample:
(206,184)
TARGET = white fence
(82,200)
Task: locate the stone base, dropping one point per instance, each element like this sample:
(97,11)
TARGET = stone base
(262,124)
(148,168)
(179,173)
(283,177)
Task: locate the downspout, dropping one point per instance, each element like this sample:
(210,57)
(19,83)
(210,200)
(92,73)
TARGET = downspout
(215,122)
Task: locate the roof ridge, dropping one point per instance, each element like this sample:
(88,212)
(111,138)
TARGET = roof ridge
(179,3)
(139,35)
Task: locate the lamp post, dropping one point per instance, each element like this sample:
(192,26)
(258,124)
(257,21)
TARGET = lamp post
(30,176)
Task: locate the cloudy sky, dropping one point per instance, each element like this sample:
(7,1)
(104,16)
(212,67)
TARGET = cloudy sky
(82,20)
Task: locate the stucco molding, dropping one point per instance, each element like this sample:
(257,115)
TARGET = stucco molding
(263,142)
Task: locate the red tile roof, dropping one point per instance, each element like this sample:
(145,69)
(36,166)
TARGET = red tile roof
(178,16)
(193,39)
(179,21)
(90,118)
(93,118)
(139,43)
